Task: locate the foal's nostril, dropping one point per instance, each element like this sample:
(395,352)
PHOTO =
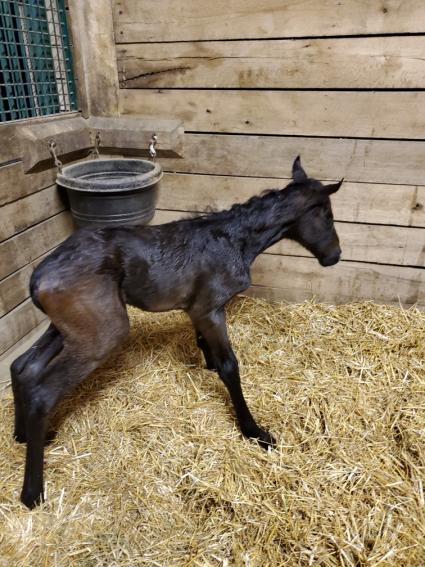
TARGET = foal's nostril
(331,260)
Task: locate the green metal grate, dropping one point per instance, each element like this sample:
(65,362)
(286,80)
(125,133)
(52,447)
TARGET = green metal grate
(36,76)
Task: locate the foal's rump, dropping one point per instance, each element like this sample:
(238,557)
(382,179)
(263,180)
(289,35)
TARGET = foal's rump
(79,290)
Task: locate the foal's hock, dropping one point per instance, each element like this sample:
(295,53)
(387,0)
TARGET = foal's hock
(196,265)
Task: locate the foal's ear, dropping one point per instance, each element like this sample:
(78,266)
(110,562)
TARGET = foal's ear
(298,173)
(333,188)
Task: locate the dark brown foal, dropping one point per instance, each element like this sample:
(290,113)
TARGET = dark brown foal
(196,265)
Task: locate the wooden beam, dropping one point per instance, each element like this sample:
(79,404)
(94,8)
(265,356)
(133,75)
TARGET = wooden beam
(402,205)
(289,113)
(348,63)
(132,135)
(304,278)
(281,295)
(11,134)
(25,247)
(18,323)
(92,31)
(369,161)
(72,138)
(166,20)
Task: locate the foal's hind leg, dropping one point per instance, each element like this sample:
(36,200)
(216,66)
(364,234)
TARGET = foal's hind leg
(92,320)
(213,329)
(65,371)
(30,364)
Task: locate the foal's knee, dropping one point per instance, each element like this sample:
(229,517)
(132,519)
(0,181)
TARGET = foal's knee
(18,365)
(22,371)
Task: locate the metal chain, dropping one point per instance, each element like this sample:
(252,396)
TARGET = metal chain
(152,144)
(52,149)
(96,144)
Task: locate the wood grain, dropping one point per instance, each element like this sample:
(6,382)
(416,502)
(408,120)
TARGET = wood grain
(19,215)
(165,20)
(304,278)
(15,288)
(11,134)
(15,184)
(280,295)
(354,202)
(369,161)
(25,247)
(92,31)
(348,63)
(289,113)
(18,323)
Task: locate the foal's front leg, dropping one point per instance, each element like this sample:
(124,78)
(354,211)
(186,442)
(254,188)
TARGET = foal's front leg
(213,330)
(203,345)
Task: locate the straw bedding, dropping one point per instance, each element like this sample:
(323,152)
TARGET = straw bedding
(148,466)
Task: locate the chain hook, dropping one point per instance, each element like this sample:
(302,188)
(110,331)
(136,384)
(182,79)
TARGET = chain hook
(52,149)
(96,144)
(152,144)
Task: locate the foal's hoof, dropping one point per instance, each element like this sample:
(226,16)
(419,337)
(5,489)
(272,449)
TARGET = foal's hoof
(265,439)
(31,500)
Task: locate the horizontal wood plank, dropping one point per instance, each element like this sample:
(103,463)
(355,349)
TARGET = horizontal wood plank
(165,20)
(348,63)
(19,215)
(15,184)
(380,244)
(25,247)
(304,278)
(15,288)
(274,294)
(289,113)
(354,202)
(18,323)
(11,134)
(369,161)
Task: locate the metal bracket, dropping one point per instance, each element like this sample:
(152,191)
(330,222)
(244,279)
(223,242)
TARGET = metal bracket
(52,150)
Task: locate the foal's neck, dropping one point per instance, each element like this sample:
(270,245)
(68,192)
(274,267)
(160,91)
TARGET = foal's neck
(263,221)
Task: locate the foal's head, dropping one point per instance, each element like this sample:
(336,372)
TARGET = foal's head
(315,229)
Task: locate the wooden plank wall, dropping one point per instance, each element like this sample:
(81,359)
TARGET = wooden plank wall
(256,83)
(33,220)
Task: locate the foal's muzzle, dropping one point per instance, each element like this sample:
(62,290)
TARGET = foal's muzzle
(330,260)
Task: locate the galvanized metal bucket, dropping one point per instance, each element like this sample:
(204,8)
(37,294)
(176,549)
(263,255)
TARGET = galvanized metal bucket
(111,192)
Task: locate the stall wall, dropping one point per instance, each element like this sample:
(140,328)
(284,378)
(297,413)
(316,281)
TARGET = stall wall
(33,221)
(33,214)
(256,83)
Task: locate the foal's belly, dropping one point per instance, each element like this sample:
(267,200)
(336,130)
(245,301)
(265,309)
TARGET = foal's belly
(156,300)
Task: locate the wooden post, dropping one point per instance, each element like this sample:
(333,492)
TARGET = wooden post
(92,32)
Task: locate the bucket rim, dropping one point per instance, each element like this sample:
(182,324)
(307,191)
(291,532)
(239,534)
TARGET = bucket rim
(137,180)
